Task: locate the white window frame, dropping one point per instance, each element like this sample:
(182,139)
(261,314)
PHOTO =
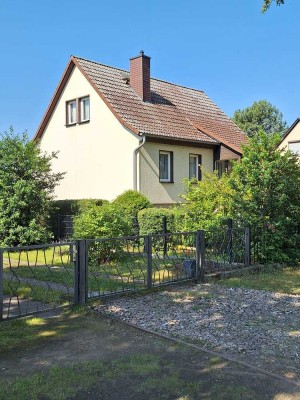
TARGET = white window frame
(169,166)
(70,112)
(198,159)
(83,102)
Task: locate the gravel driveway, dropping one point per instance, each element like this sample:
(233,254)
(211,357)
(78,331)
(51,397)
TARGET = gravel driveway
(257,327)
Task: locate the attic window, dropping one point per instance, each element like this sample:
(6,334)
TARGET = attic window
(84,105)
(294,147)
(71,108)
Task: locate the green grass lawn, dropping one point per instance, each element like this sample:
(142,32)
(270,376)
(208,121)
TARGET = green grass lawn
(281,280)
(54,265)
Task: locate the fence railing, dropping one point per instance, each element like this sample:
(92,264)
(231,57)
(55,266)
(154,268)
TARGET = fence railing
(38,278)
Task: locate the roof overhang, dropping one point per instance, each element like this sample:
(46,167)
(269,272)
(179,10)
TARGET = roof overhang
(217,137)
(65,77)
(289,130)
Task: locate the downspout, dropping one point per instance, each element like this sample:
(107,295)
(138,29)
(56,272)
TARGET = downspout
(135,153)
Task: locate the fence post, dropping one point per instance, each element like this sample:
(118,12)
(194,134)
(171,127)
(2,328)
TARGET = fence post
(1,284)
(148,248)
(164,222)
(200,255)
(81,294)
(247,247)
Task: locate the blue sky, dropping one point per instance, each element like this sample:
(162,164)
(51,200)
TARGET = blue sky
(226,48)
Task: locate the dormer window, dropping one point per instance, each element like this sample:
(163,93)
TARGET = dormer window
(71,112)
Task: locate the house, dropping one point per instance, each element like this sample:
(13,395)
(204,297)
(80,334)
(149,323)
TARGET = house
(117,130)
(291,138)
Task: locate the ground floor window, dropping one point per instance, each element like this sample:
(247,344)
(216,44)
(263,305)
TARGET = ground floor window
(166,166)
(195,161)
(223,166)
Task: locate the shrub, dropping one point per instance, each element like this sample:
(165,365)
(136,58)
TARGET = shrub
(130,203)
(151,220)
(101,222)
(208,203)
(68,207)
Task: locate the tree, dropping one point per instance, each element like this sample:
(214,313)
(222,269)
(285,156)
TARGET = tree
(262,115)
(266,195)
(26,189)
(267,3)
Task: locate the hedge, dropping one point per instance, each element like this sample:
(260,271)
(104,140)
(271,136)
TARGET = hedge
(151,220)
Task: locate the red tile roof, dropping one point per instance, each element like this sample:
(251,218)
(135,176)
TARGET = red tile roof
(175,112)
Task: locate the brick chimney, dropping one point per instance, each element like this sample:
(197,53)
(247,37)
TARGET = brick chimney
(140,76)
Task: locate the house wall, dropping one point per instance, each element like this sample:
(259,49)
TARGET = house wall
(293,136)
(168,193)
(96,156)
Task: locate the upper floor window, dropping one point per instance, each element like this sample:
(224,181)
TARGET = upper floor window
(78,111)
(166,166)
(294,147)
(195,161)
(84,104)
(71,112)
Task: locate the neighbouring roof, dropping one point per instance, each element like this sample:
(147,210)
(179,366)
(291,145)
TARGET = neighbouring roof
(289,130)
(175,112)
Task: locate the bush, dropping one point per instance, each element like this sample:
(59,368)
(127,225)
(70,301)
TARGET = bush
(101,222)
(68,207)
(151,220)
(208,203)
(130,203)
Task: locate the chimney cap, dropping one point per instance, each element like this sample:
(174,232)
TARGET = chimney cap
(142,54)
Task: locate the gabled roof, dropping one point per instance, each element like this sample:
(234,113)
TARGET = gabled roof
(175,112)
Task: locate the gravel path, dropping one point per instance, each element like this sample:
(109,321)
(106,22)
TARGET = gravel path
(257,327)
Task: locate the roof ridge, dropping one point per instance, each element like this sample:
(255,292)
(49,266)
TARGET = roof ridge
(126,70)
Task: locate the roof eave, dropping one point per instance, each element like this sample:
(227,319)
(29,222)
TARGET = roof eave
(289,130)
(217,137)
(54,100)
(181,139)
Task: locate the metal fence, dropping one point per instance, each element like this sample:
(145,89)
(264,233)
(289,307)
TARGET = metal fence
(38,278)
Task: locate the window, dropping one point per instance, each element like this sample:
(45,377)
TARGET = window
(78,111)
(294,147)
(71,112)
(166,166)
(195,166)
(84,105)
(223,166)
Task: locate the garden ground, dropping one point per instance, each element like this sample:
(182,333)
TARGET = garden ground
(83,355)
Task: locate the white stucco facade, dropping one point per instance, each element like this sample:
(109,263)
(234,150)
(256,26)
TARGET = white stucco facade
(97,156)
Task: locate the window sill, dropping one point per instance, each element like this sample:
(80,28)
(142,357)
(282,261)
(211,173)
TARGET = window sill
(84,122)
(69,125)
(166,181)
